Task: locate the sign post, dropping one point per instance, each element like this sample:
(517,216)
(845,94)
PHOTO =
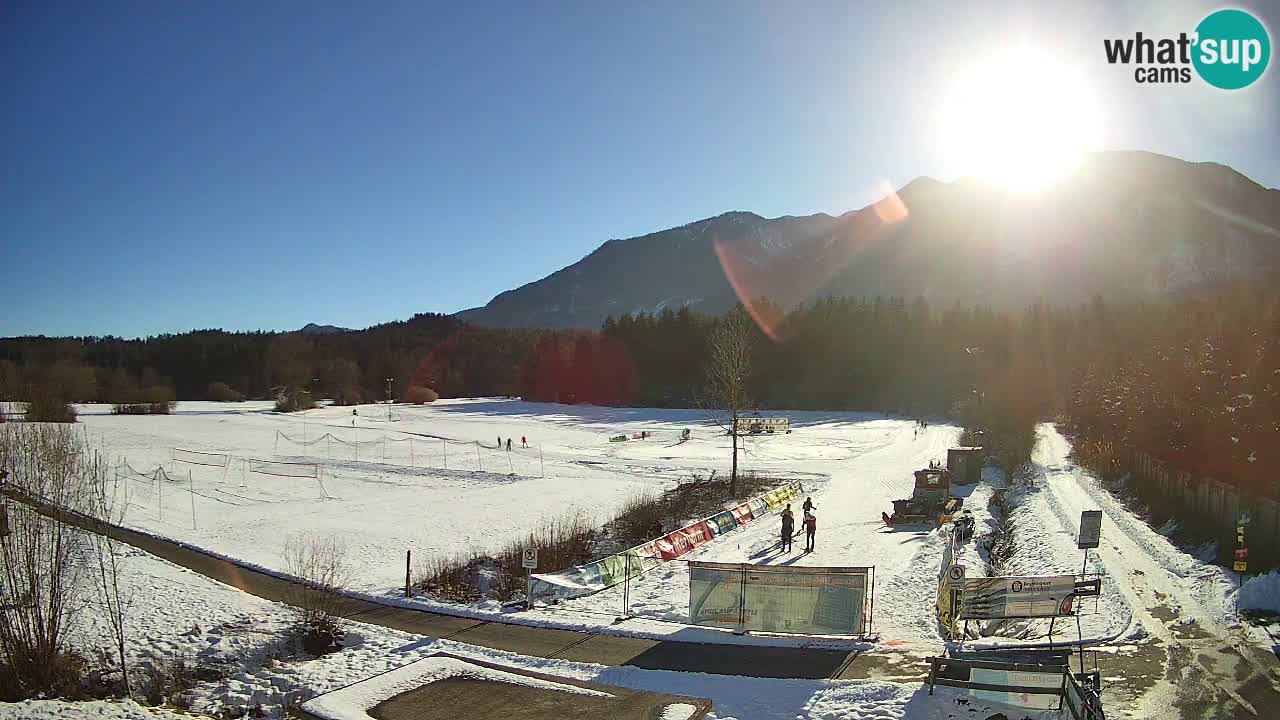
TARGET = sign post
(1090,534)
(1241,556)
(956,574)
(529,561)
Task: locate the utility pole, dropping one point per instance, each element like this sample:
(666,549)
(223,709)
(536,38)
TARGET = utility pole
(389,380)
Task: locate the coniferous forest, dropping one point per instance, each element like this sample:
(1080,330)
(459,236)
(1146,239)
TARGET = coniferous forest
(1193,380)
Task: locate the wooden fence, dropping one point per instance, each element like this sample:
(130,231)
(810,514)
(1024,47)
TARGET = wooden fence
(1208,506)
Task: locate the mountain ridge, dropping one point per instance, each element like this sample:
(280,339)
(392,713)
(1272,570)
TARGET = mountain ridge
(1124,223)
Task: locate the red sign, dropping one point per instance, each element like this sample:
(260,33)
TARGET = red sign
(742,513)
(1242,554)
(679,542)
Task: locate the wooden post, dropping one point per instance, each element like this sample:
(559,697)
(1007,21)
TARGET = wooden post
(445,443)
(541,463)
(407,554)
(478,463)
(411,462)
(160,490)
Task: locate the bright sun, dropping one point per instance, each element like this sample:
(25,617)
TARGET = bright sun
(1021,119)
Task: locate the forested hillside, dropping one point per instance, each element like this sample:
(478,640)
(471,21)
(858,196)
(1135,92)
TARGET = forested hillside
(1194,380)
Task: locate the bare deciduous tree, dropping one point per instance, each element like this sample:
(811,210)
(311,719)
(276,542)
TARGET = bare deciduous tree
(43,578)
(104,505)
(728,368)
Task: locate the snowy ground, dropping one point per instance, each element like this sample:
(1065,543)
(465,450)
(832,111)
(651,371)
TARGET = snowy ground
(186,615)
(853,464)
(1155,594)
(475,497)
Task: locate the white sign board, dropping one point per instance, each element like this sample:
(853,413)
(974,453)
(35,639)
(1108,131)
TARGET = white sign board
(812,600)
(956,573)
(988,598)
(1047,680)
(1090,529)
(529,559)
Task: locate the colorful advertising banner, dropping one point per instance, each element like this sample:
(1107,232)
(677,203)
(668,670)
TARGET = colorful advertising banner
(596,576)
(987,598)
(679,542)
(722,523)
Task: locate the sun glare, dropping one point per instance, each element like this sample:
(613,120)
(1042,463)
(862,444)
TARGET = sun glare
(1020,119)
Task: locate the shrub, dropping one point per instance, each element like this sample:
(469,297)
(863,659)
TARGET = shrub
(317,599)
(574,539)
(222,392)
(420,395)
(48,406)
(42,582)
(562,542)
(294,401)
(349,395)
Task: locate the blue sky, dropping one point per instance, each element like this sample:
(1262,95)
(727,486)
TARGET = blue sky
(263,165)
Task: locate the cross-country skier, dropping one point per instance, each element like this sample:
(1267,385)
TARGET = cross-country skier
(788,526)
(508,444)
(523,441)
(810,529)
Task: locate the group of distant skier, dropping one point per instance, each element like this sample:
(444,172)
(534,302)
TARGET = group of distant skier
(524,442)
(921,424)
(810,526)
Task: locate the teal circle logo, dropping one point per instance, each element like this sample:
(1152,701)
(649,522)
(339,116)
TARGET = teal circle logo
(1232,49)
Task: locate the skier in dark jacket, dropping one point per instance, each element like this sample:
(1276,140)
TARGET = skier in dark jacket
(808,505)
(508,444)
(810,529)
(788,527)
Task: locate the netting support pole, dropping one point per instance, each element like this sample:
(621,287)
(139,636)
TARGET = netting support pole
(511,465)
(411,462)
(191,486)
(328,440)
(479,464)
(384,441)
(407,554)
(276,450)
(445,443)
(541,463)
(160,491)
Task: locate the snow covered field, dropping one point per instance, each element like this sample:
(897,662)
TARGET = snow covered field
(446,505)
(177,613)
(852,464)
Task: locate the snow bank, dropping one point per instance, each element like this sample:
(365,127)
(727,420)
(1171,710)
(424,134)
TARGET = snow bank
(678,711)
(97,709)
(1261,592)
(354,701)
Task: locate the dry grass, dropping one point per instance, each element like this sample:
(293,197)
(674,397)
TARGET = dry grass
(561,542)
(574,539)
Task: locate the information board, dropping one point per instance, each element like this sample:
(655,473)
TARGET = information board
(988,598)
(1090,529)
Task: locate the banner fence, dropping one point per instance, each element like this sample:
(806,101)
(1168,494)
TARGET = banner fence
(593,577)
